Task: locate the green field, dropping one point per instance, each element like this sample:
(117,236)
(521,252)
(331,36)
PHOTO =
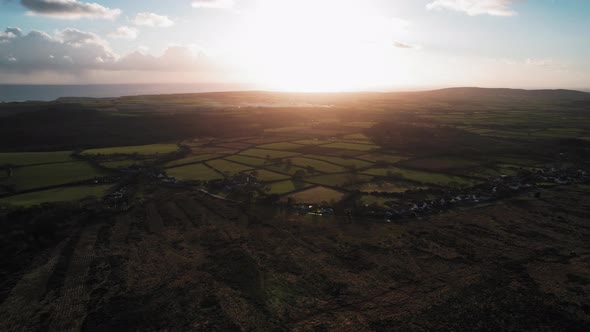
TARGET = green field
(351,146)
(268,154)
(382,158)
(65,194)
(199,172)
(346,162)
(190,160)
(387,187)
(280,146)
(312,142)
(285,169)
(318,165)
(30,177)
(440,163)
(317,195)
(34,158)
(339,180)
(140,149)
(252,161)
(268,176)
(356,137)
(284,187)
(423,177)
(227,167)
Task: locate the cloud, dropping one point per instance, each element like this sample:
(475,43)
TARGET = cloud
(475,7)
(538,62)
(69,50)
(69,9)
(75,51)
(153,20)
(216,4)
(404,45)
(125,32)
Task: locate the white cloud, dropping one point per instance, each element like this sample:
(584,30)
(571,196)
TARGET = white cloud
(216,4)
(398,44)
(538,62)
(69,50)
(153,20)
(69,9)
(125,32)
(75,51)
(475,7)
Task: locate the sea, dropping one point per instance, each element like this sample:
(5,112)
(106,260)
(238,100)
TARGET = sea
(12,93)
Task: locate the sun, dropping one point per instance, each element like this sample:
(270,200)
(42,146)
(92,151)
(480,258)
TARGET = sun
(320,45)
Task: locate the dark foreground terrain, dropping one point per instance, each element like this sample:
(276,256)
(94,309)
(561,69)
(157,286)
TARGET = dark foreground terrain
(184,261)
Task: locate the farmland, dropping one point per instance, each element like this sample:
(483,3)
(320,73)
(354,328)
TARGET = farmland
(39,176)
(35,158)
(65,194)
(199,172)
(351,212)
(143,149)
(317,195)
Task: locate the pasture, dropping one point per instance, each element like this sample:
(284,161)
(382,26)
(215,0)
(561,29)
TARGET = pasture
(438,179)
(34,158)
(39,176)
(139,149)
(251,161)
(65,194)
(284,187)
(317,195)
(268,154)
(346,162)
(280,146)
(200,172)
(352,146)
(318,165)
(268,176)
(190,160)
(387,187)
(340,179)
(227,167)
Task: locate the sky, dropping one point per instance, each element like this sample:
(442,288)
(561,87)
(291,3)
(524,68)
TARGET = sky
(298,45)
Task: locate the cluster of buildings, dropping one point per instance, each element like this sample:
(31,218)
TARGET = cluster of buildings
(496,188)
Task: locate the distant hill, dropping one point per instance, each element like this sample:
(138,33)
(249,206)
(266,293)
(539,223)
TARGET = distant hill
(471,92)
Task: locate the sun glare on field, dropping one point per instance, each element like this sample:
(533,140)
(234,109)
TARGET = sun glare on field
(328,45)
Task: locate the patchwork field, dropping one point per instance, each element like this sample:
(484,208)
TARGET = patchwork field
(65,194)
(268,176)
(34,158)
(387,187)
(438,179)
(227,167)
(40,176)
(317,195)
(284,187)
(190,160)
(268,154)
(318,165)
(339,180)
(280,146)
(346,162)
(352,146)
(193,172)
(140,149)
(252,161)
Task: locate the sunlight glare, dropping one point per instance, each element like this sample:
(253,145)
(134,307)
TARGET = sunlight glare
(336,45)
